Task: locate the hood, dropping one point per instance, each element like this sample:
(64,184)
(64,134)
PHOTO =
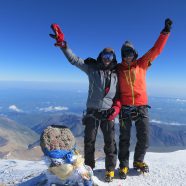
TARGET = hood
(113,63)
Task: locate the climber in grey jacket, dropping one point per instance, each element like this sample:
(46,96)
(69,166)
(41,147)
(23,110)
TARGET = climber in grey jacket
(103,104)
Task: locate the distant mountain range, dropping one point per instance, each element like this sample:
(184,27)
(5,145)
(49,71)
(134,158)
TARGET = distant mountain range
(74,122)
(161,135)
(18,140)
(14,138)
(26,112)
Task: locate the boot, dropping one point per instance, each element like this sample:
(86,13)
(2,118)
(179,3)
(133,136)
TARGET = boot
(123,172)
(109,175)
(141,166)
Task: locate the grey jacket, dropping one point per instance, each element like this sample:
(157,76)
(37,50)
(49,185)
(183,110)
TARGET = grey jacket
(96,93)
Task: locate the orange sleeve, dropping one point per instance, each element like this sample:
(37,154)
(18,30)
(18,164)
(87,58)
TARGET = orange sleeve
(146,60)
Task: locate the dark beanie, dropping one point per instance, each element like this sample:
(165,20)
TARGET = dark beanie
(105,50)
(128,45)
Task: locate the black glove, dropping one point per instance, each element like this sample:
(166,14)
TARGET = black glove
(168,26)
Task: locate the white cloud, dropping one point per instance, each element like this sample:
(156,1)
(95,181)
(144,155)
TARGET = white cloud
(15,108)
(165,123)
(52,108)
(181,100)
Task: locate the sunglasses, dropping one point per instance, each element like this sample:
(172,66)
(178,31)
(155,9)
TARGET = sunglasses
(107,56)
(128,53)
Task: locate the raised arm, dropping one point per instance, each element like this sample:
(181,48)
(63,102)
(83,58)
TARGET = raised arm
(60,42)
(146,60)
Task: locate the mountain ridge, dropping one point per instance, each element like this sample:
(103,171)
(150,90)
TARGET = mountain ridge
(14,137)
(160,135)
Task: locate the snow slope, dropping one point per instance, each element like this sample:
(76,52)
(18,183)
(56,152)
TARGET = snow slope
(166,169)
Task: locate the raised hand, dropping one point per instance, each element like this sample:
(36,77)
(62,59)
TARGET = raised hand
(168,25)
(58,35)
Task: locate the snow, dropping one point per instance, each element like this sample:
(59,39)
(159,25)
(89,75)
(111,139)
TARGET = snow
(13,172)
(166,169)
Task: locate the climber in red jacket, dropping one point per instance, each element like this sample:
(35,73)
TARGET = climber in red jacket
(133,97)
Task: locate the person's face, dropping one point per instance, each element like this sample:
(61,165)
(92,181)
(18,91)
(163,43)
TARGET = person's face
(128,59)
(128,56)
(107,58)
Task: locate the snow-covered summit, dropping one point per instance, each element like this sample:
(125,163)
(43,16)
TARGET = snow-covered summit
(166,169)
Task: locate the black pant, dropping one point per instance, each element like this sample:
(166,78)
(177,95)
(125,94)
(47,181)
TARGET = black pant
(142,134)
(110,149)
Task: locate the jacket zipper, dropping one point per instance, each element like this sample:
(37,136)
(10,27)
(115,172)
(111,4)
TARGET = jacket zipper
(132,88)
(126,77)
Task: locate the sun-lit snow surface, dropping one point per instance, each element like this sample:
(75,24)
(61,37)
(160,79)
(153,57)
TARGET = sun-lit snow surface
(166,169)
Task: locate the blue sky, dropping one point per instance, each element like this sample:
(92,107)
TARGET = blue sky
(27,52)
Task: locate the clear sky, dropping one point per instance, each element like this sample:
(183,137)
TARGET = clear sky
(27,52)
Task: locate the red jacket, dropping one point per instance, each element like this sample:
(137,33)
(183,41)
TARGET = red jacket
(132,81)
